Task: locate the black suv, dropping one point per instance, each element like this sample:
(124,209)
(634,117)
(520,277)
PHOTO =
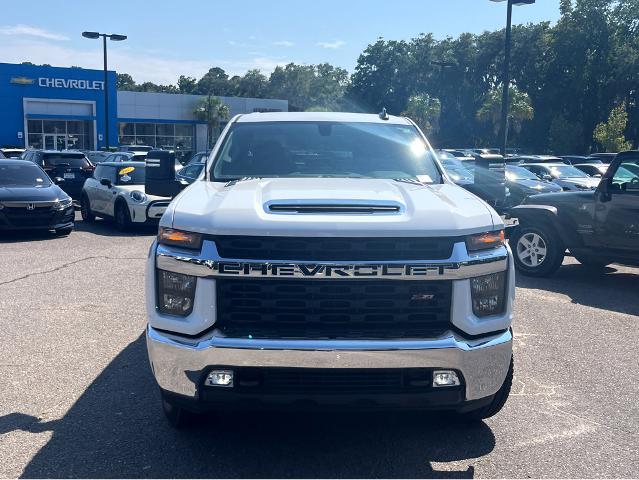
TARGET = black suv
(72,167)
(598,227)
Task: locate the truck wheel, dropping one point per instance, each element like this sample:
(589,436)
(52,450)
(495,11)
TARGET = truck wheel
(592,263)
(538,251)
(498,402)
(85,209)
(177,416)
(122,217)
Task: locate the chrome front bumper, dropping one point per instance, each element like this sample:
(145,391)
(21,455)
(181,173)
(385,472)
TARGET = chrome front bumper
(179,364)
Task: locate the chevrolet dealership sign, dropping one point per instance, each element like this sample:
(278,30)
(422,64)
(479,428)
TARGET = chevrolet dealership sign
(60,83)
(70,83)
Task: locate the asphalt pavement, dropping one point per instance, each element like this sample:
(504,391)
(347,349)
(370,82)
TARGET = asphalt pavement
(77,398)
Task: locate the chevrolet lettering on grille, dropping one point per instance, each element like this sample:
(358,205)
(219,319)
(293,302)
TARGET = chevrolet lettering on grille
(304,270)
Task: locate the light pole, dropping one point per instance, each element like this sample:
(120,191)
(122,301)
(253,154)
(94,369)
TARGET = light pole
(116,38)
(506,80)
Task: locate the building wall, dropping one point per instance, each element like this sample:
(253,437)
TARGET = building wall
(55,93)
(73,93)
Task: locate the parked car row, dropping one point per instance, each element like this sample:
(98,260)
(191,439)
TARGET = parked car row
(37,190)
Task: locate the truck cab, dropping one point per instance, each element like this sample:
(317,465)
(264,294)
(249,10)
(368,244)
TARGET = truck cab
(327,259)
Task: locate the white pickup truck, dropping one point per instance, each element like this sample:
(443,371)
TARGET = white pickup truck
(325,259)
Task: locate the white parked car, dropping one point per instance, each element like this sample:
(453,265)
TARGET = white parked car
(116,191)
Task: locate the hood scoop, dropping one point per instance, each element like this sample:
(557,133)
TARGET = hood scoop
(350,208)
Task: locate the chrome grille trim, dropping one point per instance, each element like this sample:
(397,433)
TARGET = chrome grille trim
(209,264)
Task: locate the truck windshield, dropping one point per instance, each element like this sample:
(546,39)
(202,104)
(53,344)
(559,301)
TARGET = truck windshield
(324,149)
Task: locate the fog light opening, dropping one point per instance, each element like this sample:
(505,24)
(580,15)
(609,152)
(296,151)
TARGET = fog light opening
(445,378)
(219,378)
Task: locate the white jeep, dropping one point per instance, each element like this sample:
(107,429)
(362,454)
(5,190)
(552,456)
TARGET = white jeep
(327,259)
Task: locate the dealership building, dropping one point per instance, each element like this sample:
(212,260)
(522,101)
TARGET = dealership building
(64,108)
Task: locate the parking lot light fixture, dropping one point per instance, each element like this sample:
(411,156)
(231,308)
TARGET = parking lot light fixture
(116,38)
(503,135)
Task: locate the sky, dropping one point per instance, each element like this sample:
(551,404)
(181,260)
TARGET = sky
(167,39)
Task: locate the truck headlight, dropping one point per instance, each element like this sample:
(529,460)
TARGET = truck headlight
(488,294)
(179,238)
(484,241)
(176,293)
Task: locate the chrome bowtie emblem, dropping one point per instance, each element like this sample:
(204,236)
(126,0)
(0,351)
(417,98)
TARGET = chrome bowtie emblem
(30,206)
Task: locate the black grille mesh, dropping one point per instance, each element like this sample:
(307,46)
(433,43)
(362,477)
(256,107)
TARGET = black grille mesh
(334,249)
(316,309)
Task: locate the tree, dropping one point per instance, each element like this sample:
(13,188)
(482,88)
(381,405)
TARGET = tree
(519,109)
(252,84)
(211,110)
(186,84)
(565,136)
(424,110)
(214,82)
(125,82)
(610,134)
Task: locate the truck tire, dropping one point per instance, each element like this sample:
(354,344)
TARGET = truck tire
(177,416)
(85,209)
(498,402)
(122,216)
(538,251)
(595,264)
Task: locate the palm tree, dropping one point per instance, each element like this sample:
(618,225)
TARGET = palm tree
(212,111)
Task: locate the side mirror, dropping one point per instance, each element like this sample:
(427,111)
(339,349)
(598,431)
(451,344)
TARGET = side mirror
(597,175)
(605,189)
(58,180)
(159,177)
(106,182)
(547,177)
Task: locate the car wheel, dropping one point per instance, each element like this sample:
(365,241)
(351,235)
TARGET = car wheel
(538,251)
(498,401)
(85,209)
(122,217)
(62,232)
(592,262)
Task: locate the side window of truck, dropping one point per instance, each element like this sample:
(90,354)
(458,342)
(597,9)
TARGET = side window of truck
(626,178)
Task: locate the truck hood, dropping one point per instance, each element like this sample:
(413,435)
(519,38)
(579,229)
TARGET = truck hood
(244,208)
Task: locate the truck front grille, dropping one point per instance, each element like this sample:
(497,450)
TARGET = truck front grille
(332,309)
(318,249)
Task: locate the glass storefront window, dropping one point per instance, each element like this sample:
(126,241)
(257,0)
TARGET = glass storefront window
(165,130)
(60,134)
(127,129)
(144,129)
(183,130)
(162,135)
(55,126)
(34,126)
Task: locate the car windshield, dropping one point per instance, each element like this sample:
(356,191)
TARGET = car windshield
(23,176)
(519,173)
(130,175)
(324,149)
(456,169)
(566,171)
(72,160)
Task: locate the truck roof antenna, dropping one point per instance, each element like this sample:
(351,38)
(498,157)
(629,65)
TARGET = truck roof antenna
(383,115)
